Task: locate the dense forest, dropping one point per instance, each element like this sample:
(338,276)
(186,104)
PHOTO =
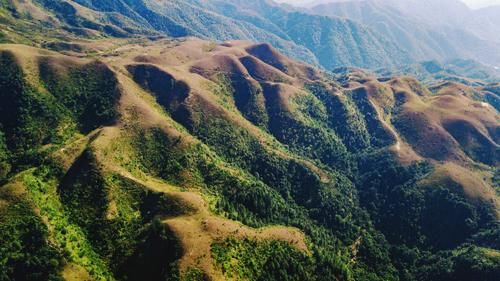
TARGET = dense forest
(100,178)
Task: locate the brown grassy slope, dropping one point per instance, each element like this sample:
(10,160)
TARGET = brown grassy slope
(423,124)
(448,124)
(451,126)
(448,127)
(201,75)
(196,230)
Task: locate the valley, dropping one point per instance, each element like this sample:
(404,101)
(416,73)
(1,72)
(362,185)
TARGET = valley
(245,140)
(193,148)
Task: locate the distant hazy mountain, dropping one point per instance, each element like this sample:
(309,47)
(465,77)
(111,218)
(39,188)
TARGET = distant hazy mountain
(467,72)
(331,42)
(368,33)
(486,23)
(427,29)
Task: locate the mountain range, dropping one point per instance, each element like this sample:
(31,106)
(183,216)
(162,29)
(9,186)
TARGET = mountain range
(440,30)
(370,34)
(140,141)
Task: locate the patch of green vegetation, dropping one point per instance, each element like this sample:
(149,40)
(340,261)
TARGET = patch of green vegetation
(471,262)
(3,37)
(121,219)
(467,262)
(107,224)
(195,274)
(417,220)
(199,167)
(496,180)
(307,136)
(34,123)
(241,96)
(25,250)
(159,156)
(379,135)
(4,158)
(223,89)
(343,117)
(28,118)
(309,109)
(69,237)
(249,99)
(155,257)
(488,237)
(262,260)
(89,92)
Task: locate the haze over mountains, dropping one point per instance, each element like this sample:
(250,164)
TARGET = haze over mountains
(427,29)
(370,33)
(473,4)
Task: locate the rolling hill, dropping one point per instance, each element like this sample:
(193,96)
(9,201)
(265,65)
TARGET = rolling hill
(164,159)
(142,140)
(329,42)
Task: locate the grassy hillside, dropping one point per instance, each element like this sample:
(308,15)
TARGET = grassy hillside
(189,160)
(317,40)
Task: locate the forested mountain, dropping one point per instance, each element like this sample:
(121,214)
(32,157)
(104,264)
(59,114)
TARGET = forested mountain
(427,30)
(369,33)
(467,72)
(330,42)
(127,154)
(168,160)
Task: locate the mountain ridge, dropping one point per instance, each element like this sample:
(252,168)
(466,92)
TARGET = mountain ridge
(428,30)
(169,17)
(130,150)
(178,140)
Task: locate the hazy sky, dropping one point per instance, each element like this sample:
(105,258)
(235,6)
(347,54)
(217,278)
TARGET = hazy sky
(481,3)
(475,4)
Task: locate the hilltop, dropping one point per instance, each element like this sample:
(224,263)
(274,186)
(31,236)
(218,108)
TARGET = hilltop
(317,40)
(185,159)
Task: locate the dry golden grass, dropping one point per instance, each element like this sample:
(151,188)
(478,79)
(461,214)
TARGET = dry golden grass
(74,272)
(36,13)
(471,183)
(198,229)
(191,61)
(429,115)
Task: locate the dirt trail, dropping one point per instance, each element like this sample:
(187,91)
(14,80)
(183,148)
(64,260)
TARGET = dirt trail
(199,229)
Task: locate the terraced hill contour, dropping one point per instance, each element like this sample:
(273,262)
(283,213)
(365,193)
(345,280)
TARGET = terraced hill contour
(189,160)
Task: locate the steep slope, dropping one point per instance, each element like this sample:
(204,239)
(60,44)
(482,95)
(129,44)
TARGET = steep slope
(427,30)
(190,160)
(334,41)
(329,42)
